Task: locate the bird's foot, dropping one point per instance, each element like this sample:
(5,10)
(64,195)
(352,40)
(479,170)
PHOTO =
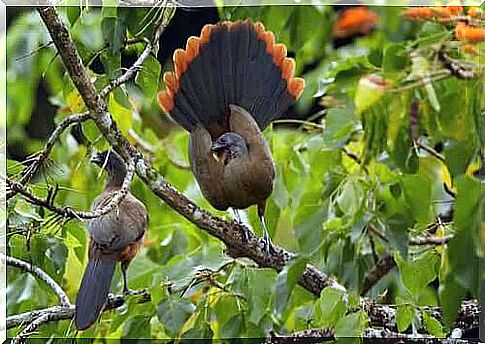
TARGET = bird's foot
(268,244)
(128,292)
(244,230)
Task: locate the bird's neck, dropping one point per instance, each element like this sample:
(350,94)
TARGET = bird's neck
(115,180)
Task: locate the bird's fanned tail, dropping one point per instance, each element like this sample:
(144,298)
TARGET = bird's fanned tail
(230,63)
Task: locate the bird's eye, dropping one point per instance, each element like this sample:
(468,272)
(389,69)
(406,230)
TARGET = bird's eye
(222,140)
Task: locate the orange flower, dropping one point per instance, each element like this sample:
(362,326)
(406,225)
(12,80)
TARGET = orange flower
(475,12)
(454,10)
(464,32)
(430,13)
(355,20)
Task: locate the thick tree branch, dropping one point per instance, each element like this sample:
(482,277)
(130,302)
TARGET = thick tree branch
(370,335)
(39,273)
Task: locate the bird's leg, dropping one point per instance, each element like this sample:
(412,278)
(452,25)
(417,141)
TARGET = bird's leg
(268,244)
(239,221)
(124,267)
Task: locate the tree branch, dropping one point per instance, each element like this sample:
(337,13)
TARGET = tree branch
(39,273)
(151,45)
(68,212)
(32,170)
(38,317)
(370,335)
(385,264)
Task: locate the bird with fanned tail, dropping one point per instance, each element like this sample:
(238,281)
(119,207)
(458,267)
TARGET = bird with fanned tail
(227,86)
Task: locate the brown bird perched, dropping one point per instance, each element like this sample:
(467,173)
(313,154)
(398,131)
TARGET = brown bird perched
(114,237)
(228,85)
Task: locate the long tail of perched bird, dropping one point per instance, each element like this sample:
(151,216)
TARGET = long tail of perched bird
(230,63)
(227,86)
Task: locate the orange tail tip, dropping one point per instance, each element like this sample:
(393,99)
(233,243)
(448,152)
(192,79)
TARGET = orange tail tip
(279,53)
(171,81)
(288,68)
(205,33)
(296,87)
(192,48)
(183,58)
(165,100)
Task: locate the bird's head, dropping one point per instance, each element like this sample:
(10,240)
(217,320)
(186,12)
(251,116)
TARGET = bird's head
(110,161)
(229,146)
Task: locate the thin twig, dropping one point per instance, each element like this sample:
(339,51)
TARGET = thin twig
(383,266)
(67,312)
(41,274)
(68,212)
(423,81)
(150,46)
(39,159)
(430,240)
(431,151)
(301,122)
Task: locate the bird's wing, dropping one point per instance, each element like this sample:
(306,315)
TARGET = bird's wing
(208,172)
(122,226)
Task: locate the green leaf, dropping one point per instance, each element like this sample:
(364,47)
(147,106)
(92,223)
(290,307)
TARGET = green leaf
(258,298)
(137,326)
(173,313)
(234,327)
(351,197)
(458,155)
(352,325)
(433,326)
(398,226)
(287,279)
(451,294)
(330,307)
(338,125)
(417,193)
(418,273)
(404,316)
(396,58)
(73,13)
(149,76)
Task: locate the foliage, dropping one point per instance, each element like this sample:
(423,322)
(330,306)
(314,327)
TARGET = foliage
(350,187)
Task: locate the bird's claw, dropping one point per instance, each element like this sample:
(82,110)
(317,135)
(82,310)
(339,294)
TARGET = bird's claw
(244,230)
(267,243)
(128,292)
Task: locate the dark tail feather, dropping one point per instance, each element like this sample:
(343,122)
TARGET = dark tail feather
(234,63)
(94,289)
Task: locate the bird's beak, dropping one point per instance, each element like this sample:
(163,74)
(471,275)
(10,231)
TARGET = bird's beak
(96,159)
(216,147)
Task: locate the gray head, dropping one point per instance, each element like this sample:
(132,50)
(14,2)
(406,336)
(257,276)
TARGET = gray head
(229,146)
(110,161)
